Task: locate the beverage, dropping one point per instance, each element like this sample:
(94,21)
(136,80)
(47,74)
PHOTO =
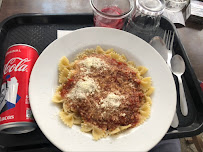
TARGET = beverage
(15,112)
(111,13)
(107,22)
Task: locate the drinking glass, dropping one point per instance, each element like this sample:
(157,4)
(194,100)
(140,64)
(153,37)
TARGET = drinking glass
(146,17)
(175,5)
(111,13)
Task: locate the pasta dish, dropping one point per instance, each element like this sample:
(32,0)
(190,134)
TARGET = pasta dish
(103,92)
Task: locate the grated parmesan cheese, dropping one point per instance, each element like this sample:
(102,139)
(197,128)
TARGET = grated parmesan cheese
(123,114)
(93,62)
(131,85)
(83,88)
(112,100)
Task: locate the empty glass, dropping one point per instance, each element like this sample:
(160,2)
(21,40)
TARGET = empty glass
(111,13)
(175,5)
(146,17)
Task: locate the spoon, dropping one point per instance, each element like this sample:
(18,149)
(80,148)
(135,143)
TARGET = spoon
(158,43)
(178,68)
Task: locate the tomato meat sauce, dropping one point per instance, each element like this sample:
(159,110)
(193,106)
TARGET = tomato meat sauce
(117,99)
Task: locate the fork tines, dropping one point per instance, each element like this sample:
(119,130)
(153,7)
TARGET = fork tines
(168,39)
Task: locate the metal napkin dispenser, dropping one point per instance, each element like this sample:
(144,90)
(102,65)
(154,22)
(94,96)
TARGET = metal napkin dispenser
(194,12)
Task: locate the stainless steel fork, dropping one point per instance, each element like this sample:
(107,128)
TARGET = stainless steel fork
(169,39)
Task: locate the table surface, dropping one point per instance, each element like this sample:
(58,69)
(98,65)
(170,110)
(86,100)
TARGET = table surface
(191,36)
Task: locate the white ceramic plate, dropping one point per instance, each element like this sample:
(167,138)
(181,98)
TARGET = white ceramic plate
(44,78)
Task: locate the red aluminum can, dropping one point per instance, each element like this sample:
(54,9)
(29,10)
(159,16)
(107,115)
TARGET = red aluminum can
(15,112)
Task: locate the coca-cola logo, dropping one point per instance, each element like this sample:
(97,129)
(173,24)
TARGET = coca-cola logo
(16,64)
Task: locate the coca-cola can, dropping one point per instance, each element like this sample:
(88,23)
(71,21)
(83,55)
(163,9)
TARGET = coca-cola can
(15,112)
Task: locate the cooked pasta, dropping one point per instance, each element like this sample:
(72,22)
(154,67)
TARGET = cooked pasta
(103,92)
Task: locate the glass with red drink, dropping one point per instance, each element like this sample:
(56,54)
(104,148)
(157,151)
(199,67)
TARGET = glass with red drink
(111,13)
